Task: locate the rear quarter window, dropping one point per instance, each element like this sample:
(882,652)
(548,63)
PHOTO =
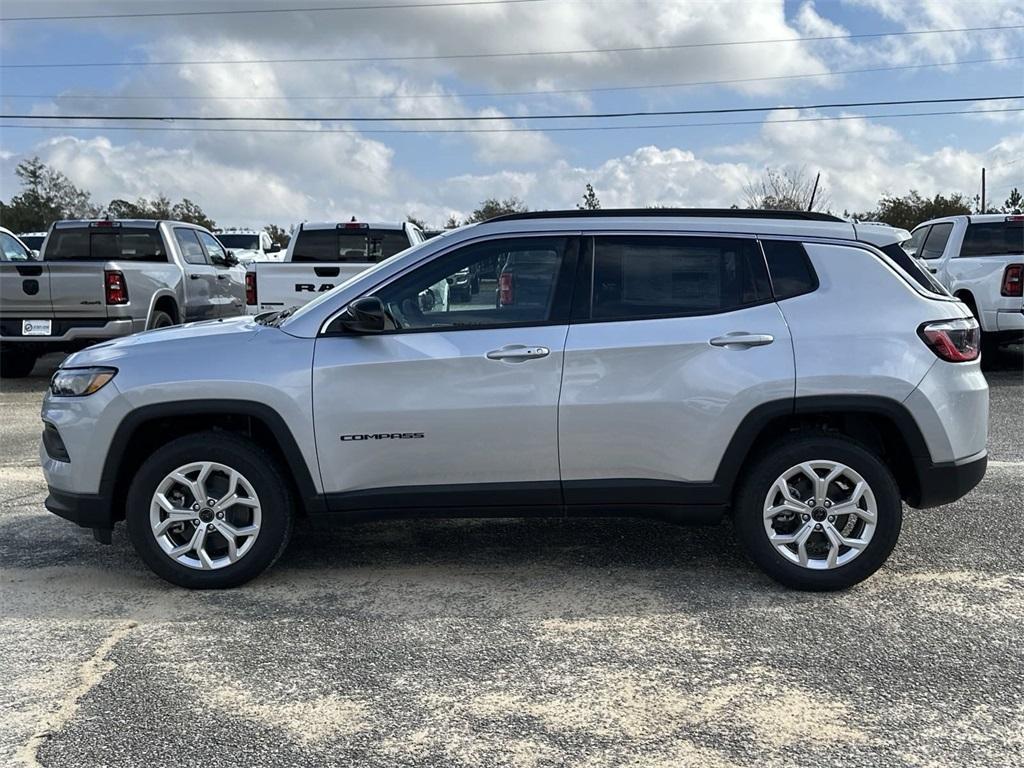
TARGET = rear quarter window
(997,238)
(790,268)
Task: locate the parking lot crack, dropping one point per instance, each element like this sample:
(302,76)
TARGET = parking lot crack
(90,674)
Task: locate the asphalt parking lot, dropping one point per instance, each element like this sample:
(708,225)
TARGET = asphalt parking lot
(520,643)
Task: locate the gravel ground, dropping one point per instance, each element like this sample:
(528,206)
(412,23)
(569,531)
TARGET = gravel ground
(519,643)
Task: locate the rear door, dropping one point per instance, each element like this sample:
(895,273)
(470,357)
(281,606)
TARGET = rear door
(676,341)
(933,251)
(229,278)
(201,285)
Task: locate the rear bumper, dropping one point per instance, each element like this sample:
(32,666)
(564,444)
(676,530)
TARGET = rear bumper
(86,510)
(68,334)
(946,482)
(1010,322)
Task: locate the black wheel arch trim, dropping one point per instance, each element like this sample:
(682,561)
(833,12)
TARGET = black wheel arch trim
(297,466)
(920,493)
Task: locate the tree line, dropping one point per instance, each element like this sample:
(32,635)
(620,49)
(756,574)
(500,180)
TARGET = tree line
(48,195)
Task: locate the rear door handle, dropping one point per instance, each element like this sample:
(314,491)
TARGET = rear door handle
(222,277)
(194,276)
(742,340)
(518,353)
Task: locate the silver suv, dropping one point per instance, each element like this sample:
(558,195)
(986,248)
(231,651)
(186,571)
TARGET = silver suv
(796,372)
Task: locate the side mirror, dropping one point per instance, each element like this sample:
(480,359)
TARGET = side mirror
(365,315)
(274,248)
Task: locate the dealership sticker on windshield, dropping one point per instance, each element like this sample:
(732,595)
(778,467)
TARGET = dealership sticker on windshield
(36,327)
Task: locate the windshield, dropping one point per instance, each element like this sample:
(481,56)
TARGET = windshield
(368,275)
(240,242)
(105,243)
(34,242)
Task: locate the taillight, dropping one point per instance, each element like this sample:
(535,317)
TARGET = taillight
(1013,280)
(116,287)
(506,293)
(955,341)
(250,288)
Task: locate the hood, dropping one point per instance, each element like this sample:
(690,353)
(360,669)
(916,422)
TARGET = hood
(209,334)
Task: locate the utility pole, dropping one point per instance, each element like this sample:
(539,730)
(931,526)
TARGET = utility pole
(982,190)
(814,191)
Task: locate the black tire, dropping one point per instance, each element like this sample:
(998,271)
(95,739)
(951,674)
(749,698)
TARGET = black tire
(787,453)
(16,363)
(239,453)
(160,319)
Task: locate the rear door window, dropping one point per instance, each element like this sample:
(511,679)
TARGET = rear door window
(997,238)
(935,243)
(651,276)
(106,244)
(191,250)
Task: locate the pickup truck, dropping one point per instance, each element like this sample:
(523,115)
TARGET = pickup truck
(248,245)
(102,279)
(980,260)
(320,256)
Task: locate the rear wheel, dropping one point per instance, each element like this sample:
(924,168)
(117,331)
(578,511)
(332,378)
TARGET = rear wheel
(160,319)
(209,511)
(16,363)
(818,513)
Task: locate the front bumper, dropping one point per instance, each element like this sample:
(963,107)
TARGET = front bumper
(86,510)
(946,482)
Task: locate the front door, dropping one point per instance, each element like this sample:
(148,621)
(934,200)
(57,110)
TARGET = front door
(679,341)
(455,406)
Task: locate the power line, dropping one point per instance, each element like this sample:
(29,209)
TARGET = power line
(242,11)
(504,55)
(491,118)
(492,94)
(372,131)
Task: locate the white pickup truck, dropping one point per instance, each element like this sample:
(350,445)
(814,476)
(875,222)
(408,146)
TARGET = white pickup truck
(980,260)
(320,256)
(249,245)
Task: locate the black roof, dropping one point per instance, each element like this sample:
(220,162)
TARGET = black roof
(715,213)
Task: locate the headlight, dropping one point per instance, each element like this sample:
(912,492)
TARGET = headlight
(78,382)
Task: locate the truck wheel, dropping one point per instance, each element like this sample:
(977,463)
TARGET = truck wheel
(16,363)
(160,319)
(818,513)
(209,511)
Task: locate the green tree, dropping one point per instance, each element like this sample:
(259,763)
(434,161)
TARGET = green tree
(492,207)
(590,200)
(160,208)
(190,212)
(47,196)
(418,222)
(278,235)
(1014,203)
(911,209)
(452,222)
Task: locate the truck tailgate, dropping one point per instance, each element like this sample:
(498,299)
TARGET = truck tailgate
(76,289)
(25,291)
(282,285)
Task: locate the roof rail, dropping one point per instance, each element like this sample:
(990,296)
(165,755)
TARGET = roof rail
(711,213)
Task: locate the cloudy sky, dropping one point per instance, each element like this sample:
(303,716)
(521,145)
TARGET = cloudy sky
(258,173)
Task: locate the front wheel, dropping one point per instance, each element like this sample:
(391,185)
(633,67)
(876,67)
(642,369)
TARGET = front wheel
(818,513)
(209,511)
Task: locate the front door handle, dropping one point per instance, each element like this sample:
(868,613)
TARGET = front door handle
(518,353)
(193,277)
(742,340)
(222,277)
